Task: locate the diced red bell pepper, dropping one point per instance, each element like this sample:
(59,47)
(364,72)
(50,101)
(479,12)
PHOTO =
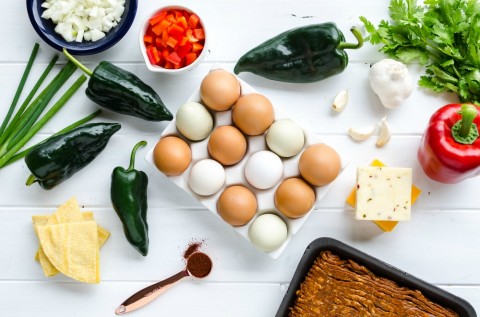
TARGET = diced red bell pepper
(177,36)
(197,47)
(184,50)
(165,54)
(164,37)
(183,41)
(172,42)
(174,58)
(171,17)
(199,34)
(182,22)
(193,21)
(178,14)
(153,56)
(148,39)
(176,30)
(190,58)
(161,26)
(159,17)
(191,38)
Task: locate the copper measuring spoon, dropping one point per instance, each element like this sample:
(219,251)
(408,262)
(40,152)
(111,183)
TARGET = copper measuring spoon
(149,293)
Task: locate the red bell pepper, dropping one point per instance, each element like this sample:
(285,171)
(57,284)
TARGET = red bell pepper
(450,148)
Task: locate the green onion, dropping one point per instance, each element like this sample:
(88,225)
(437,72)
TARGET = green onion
(33,55)
(37,126)
(35,109)
(64,130)
(29,98)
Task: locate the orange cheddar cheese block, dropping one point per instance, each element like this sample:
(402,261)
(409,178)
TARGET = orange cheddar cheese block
(386,226)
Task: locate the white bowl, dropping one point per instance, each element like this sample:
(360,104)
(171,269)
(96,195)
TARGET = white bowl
(159,69)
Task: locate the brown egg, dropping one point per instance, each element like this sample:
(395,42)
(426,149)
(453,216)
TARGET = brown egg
(294,197)
(253,114)
(237,205)
(227,145)
(319,164)
(172,155)
(219,90)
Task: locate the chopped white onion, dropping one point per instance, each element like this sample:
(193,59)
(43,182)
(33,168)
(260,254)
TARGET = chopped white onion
(79,20)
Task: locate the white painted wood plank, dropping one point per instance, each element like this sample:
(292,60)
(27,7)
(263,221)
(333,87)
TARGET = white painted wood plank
(189,298)
(439,245)
(415,247)
(185,299)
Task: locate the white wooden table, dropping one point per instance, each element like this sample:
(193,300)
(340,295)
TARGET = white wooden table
(441,244)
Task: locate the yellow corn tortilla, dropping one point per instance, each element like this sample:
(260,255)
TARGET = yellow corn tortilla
(65,214)
(42,220)
(72,248)
(68,212)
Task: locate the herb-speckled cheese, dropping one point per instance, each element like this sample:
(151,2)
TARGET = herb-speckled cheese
(383,193)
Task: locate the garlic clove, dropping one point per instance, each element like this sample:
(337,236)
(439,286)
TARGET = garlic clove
(361,133)
(385,133)
(340,101)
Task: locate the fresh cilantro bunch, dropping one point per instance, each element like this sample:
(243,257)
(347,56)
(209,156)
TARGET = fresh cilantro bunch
(442,34)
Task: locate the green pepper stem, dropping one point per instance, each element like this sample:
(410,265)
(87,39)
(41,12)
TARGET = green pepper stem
(132,156)
(465,131)
(358,35)
(77,63)
(30,180)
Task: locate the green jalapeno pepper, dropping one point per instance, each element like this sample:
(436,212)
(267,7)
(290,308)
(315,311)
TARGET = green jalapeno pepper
(60,156)
(301,55)
(121,91)
(128,193)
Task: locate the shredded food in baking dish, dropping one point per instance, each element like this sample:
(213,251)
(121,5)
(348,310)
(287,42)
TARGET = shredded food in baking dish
(335,287)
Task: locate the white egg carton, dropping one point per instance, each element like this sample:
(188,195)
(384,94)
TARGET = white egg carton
(235,174)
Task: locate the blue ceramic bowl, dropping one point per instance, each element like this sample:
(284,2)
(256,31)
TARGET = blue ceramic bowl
(46,30)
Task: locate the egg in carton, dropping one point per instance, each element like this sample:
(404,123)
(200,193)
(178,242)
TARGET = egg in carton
(268,228)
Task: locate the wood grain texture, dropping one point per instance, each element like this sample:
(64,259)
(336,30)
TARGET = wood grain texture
(440,244)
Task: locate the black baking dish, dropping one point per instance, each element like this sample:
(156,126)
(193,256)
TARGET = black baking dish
(379,268)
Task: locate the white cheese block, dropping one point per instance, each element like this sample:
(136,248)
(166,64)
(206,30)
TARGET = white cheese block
(384,193)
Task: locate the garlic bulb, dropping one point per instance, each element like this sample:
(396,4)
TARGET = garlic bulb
(391,81)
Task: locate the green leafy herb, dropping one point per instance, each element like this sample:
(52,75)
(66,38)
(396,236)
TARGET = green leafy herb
(444,35)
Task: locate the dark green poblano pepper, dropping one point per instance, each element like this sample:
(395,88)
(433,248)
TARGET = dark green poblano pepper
(121,91)
(301,55)
(60,156)
(129,198)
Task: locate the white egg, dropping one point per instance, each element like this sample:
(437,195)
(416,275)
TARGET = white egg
(194,121)
(263,169)
(285,138)
(206,177)
(268,232)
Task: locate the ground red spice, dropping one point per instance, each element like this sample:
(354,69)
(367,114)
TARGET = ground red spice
(192,248)
(199,264)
